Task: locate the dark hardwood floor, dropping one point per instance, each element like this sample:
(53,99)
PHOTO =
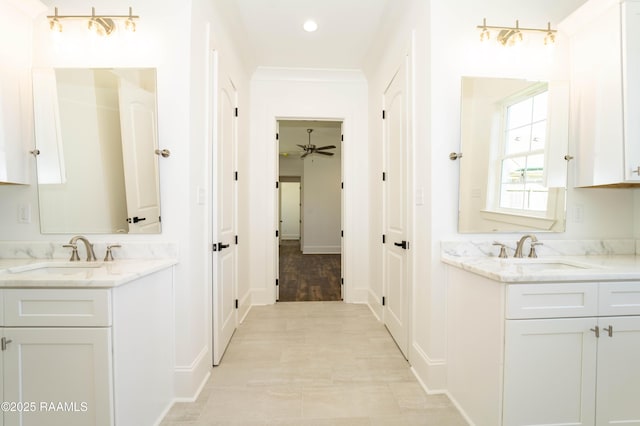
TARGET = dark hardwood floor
(308,277)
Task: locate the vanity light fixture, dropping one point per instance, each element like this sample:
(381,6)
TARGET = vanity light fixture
(99,24)
(510,36)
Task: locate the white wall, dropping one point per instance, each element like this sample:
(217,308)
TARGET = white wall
(289,94)
(289,210)
(321,203)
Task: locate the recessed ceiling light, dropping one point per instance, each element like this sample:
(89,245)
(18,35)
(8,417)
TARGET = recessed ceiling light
(310,26)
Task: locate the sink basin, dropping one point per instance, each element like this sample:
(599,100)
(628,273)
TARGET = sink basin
(61,268)
(537,264)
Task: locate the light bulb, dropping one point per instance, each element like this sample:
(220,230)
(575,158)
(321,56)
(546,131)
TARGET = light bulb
(485,35)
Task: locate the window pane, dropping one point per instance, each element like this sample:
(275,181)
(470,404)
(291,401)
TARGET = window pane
(538,135)
(518,140)
(512,197)
(513,170)
(540,103)
(534,169)
(519,114)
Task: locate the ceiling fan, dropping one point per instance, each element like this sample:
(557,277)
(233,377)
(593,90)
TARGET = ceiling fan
(312,149)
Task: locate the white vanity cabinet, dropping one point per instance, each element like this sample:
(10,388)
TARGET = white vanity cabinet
(87,356)
(605,93)
(544,353)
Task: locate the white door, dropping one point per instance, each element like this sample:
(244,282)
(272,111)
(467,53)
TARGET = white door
(139,141)
(59,365)
(618,372)
(550,372)
(224,212)
(395,264)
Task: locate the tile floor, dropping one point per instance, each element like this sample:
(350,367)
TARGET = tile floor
(313,363)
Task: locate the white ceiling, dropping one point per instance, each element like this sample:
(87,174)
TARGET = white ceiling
(272,30)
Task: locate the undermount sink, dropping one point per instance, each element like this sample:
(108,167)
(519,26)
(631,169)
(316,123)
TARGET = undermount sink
(537,264)
(62,268)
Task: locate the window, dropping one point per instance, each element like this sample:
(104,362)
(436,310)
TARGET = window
(521,182)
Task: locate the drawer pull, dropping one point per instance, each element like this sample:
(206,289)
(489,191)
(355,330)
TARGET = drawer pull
(596,330)
(609,330)
(4,342)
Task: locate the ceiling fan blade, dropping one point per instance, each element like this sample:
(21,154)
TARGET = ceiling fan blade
(326,147)
(324,153)
(304,155)
(301,146)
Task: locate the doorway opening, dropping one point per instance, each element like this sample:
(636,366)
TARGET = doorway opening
(310,210)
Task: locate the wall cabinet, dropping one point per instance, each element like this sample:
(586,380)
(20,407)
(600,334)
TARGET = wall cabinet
(86,357)
(544,354)
(16,117)
(605,94)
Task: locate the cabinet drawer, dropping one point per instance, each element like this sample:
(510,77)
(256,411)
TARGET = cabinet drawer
(619,298)
(552,300)
(57,308)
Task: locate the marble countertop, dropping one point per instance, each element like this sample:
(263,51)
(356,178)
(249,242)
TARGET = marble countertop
(52,273)
(551,269)
(557,261)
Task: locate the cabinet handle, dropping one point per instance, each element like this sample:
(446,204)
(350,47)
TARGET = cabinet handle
(596,330)
(4,342)
(609,330)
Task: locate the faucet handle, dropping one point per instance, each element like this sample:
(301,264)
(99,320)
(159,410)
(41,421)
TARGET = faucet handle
(532,252)
(108,255)
(74,252)
(503,250)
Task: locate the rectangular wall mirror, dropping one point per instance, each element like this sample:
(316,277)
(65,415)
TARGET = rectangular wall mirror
(97,137)
(513,172)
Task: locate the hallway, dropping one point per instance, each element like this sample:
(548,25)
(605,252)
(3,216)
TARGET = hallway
(313,363)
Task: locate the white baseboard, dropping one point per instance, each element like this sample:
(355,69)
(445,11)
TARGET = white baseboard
(375,304)
(321,249)
(432,374)
(190,379)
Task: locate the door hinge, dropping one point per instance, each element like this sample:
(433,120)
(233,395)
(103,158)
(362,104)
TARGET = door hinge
(341,281)
(383,301)
(277,136)
(384,176)
(342,233)
(236,112)
(159,218)
(236,303)
(277,184)
(384,238)
(277,233)
(236,240)
(341,185)
(277,282)
(341,138)
(235,175)
(384,114)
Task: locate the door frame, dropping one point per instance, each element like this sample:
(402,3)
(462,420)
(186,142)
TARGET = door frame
(276,213)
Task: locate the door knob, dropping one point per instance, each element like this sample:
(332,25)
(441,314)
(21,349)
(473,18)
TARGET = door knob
(222,246)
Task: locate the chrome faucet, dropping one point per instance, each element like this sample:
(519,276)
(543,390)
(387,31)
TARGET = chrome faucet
(73,243)
(534,242)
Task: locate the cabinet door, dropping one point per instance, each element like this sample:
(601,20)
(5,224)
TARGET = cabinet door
(66,372)
(618,371)
(631,87)
(596,100)
(549,372)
